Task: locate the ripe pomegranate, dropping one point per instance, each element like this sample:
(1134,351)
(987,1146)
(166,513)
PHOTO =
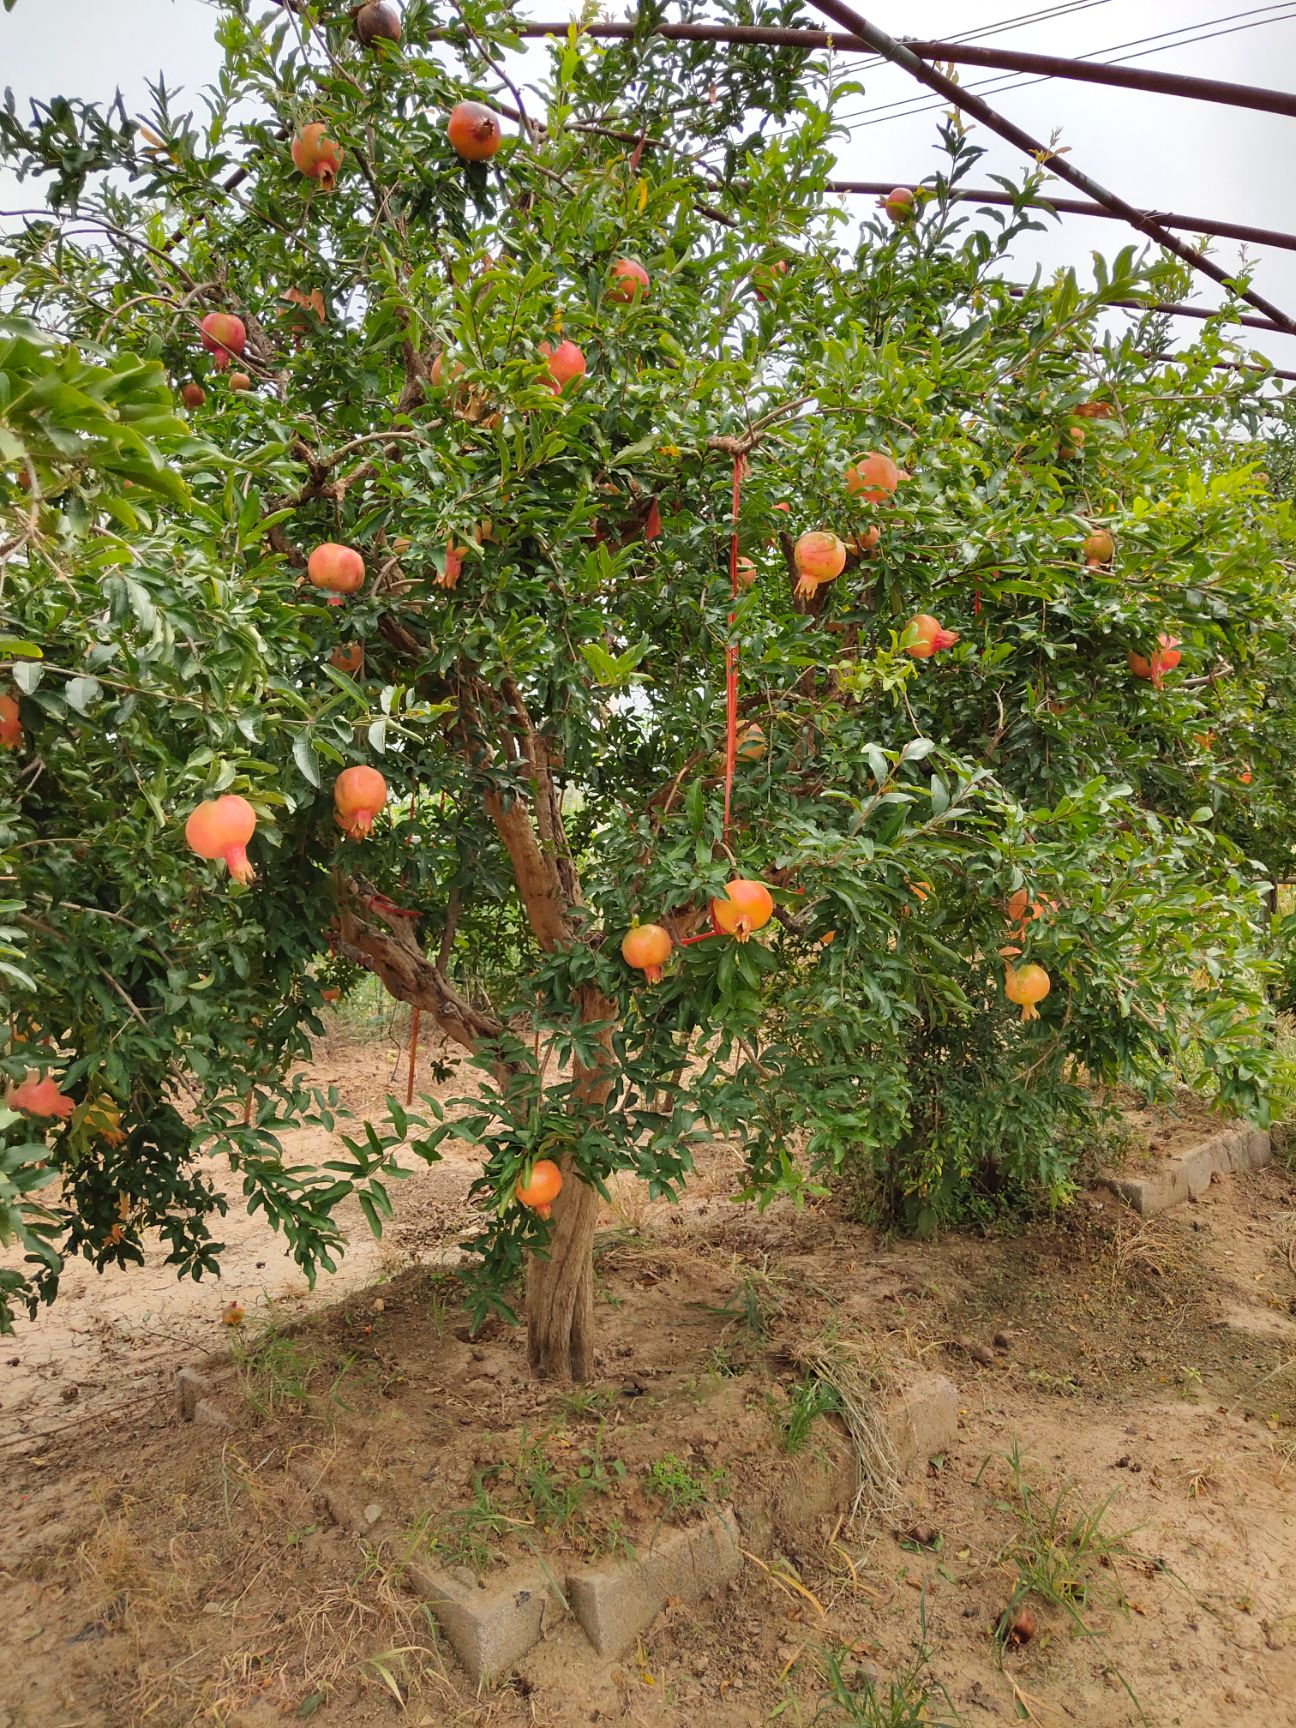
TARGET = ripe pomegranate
(867,542)
(378,22)
(221,828)
(820,557)
(565,362)
(444,367)
(748,906)
(751,743)
(746,573)
(39,1096)
(647,947)
(900,204)
(873,478)
(541,1188)
(923,637)
(232,1314)
(765,278)
(1095,410)
(313,308)
(317,156)
(1099,548)
(1164,659)
(1027,985)
(629,282)
(1072,444)
(193,395)
(349,658)
(240,381)
(223,335)
(1023,1624)
(359,794)
(474,131)
(11,732)
(340,569)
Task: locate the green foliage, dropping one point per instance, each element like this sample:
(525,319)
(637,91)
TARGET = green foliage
(569,686)
(808,1400)
(909,1698)
(677,1487)
(1061,1553)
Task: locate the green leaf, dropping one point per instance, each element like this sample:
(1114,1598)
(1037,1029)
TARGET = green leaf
(304,756)
(82,693)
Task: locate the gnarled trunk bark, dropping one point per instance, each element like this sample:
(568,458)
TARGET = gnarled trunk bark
(560,1289)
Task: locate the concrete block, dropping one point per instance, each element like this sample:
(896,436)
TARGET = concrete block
(190,1386)
(1188,1175)
(490,1629)
(922,1420)
(616,1602)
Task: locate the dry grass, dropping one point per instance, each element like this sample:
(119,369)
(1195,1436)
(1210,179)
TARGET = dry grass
(857,1376)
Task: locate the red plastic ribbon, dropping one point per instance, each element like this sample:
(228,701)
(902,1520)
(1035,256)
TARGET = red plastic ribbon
(731,656)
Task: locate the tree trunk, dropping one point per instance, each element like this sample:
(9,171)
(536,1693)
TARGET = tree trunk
(560,1289)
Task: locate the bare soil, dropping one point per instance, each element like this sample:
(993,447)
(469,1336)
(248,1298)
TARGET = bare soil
(155,1573)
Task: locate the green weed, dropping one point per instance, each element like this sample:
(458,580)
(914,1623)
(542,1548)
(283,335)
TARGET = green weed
(909,1698)
(1061,1553)
(809,1399)
(679,1488)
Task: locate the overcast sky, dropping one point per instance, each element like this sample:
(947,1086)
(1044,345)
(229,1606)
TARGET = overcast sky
(1158,152)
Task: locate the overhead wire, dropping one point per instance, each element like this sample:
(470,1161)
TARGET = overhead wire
(1022,21)
(905,106)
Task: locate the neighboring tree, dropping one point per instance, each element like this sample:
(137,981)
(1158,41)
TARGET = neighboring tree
(537,659)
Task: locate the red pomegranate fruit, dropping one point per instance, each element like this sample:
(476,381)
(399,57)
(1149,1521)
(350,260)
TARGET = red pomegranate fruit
(340,569)
(873,478)
(924,637)
(565,362)
(317,156)
(747,906)
(541,1188)
(647,947)
(629,282)
(358,794)
(38,1095)
(221,828)
(11,732)
(474,131)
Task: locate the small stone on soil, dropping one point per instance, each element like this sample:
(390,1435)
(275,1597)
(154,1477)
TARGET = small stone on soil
(983,1354)
(1003,1340)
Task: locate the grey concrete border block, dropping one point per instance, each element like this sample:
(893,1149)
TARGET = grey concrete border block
(490,1629)
(616,1602)
(922,1420)
(1189,1174)
(190,1386)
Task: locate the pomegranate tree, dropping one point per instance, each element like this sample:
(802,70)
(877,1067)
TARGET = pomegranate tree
(818,839)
